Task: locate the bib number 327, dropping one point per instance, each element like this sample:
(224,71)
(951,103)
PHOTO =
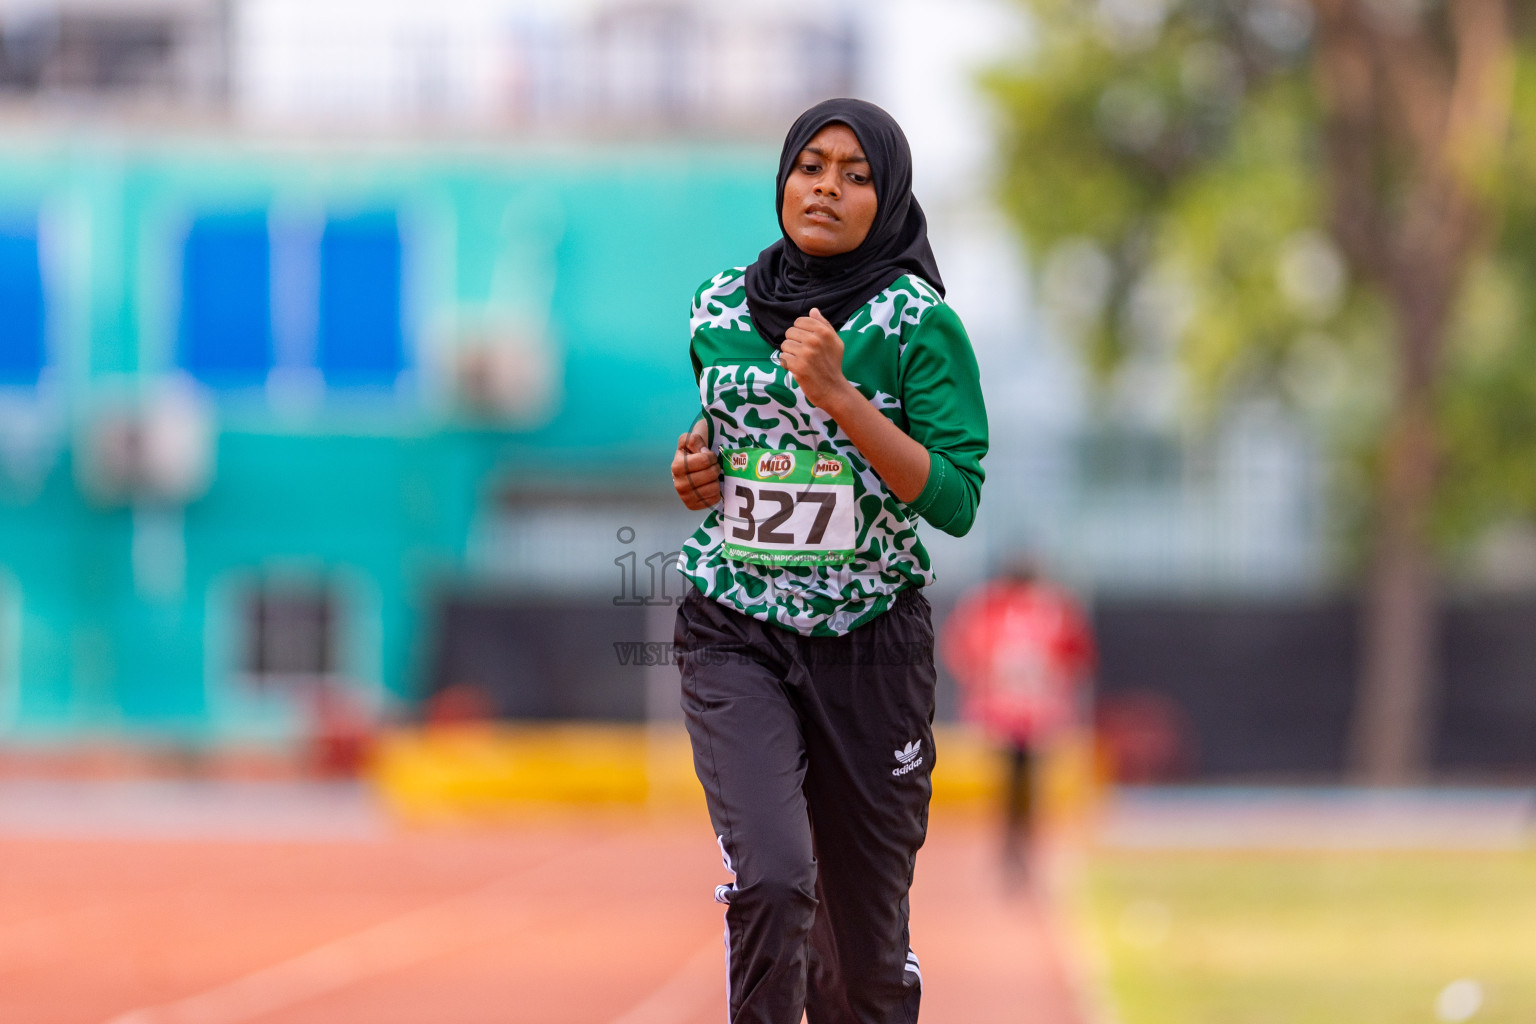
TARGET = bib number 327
(787,507)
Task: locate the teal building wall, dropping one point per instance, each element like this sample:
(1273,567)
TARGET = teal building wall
(123,617)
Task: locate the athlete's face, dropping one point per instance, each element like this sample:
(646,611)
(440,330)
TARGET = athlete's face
(829,196)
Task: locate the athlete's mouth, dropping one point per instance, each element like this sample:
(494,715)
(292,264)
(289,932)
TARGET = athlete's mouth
(820,209)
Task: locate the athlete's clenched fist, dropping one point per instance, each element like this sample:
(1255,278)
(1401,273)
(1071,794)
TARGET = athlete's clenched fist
(813,353)
(696,472)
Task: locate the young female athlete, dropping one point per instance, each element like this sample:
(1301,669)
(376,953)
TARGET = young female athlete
(840,404)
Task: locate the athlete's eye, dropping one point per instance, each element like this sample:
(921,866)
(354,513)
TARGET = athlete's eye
(859,179)
(810,168)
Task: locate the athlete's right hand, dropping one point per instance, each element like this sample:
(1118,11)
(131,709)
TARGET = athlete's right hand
(696,472)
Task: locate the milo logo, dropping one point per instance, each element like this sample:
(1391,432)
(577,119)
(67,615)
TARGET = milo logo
(738,460)
(826,467)
(775,464)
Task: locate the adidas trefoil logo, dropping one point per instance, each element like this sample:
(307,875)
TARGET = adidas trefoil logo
(910,756)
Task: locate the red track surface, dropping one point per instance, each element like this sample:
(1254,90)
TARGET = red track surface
(556,920)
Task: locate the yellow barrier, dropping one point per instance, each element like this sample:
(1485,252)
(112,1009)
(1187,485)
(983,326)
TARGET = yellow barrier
(483,769)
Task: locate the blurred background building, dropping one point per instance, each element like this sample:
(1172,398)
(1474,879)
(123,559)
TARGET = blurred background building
(342,350)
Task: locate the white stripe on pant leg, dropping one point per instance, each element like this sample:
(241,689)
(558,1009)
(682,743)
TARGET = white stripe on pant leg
(723,892)
(727,972)
(915,968)
(723,895)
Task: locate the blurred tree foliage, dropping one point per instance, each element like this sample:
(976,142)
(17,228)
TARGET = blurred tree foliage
(1330,201)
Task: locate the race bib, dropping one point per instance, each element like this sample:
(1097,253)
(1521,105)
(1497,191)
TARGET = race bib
(787,507)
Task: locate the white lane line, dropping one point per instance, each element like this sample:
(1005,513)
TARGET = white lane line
(471,918)
(682,996)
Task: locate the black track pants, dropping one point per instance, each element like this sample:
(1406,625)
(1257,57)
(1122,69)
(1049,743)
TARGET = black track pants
(814,754)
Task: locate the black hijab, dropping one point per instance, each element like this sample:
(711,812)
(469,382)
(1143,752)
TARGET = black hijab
(785,283)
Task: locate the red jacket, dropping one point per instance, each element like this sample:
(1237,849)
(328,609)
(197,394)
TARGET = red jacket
(1019,651)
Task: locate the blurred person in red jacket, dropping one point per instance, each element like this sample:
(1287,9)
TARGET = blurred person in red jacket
(1021,650)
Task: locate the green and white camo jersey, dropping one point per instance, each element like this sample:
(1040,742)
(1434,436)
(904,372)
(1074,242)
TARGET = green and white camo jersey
(906,351)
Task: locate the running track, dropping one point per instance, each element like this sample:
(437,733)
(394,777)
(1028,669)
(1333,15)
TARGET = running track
(557,919)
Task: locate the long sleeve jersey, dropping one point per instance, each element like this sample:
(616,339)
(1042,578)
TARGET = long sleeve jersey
(906,351)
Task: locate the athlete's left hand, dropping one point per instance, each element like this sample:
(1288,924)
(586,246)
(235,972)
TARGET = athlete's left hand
(813,353)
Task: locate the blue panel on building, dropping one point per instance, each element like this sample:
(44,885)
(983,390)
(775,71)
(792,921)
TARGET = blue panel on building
(22,352)
(226,300)
(360,340)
